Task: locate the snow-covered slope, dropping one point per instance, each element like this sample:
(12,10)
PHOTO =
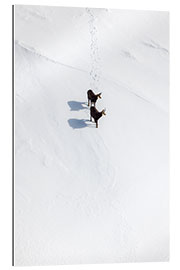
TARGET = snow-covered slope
(87,195)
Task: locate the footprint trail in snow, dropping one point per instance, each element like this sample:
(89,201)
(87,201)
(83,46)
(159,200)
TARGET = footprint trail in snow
(95,72)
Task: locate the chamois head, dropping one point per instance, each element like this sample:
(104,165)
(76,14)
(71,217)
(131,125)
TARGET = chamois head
(103,112)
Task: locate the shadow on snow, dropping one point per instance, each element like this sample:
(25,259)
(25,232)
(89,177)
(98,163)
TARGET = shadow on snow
(78,123)
(77,105)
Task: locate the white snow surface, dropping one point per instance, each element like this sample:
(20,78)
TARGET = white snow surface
(82,194)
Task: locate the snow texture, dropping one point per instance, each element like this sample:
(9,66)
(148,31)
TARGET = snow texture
(82,194)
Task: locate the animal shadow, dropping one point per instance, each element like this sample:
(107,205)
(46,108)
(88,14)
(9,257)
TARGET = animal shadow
(76,105)
(78,123)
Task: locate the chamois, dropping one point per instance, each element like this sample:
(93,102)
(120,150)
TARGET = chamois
(92,98)
(96,115)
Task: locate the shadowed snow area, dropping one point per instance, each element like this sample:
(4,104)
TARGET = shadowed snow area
(77,123)
(77,105)
(82,194)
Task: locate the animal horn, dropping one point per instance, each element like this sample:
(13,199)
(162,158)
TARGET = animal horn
(99,95)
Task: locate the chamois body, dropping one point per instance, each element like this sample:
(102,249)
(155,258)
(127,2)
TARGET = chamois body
(92,98)
(94,113)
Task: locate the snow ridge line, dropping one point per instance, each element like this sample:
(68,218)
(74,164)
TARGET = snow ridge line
(34,51)
(127,89)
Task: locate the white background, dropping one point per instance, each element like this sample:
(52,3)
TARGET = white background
(6,127)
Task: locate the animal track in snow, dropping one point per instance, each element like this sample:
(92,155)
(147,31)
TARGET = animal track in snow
(95,72)
(152,44)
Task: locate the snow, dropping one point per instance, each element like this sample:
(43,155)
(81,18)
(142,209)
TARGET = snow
(87,195)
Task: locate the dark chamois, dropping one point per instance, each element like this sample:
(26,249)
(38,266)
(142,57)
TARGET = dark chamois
(96,115)
(92,97)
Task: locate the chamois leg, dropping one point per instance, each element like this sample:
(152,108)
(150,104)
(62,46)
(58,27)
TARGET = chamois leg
(96,124)
(88,103)
(90,118)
